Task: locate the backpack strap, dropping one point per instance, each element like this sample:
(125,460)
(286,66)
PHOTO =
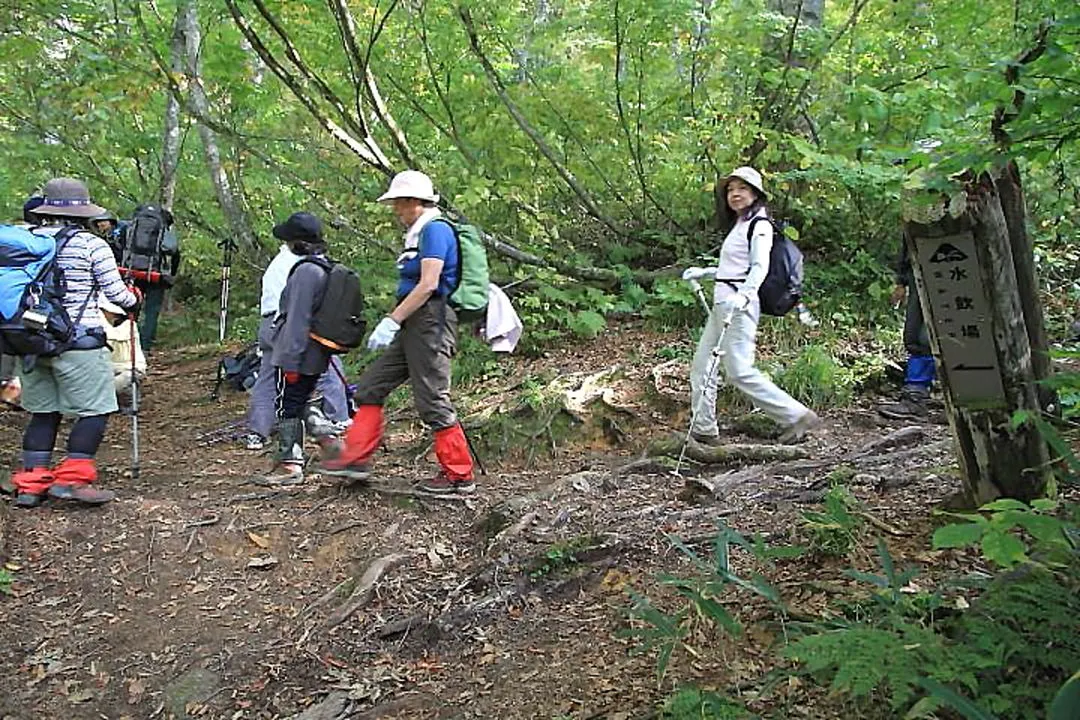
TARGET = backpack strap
(325,263)
(734,284)
(65,234)
(457,241)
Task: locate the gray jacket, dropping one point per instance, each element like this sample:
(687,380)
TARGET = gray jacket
(294,350)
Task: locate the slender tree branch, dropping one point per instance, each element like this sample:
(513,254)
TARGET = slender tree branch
(355,123)
(347,25)
(366,149)
(1004,115)
(563,172)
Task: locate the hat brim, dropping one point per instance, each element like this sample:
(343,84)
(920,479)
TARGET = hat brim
(79,211)
(391,195)
(283,232)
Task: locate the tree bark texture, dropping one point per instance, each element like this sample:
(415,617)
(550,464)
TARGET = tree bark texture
(230,207)
(981,343)
(170,151)
(1011,192)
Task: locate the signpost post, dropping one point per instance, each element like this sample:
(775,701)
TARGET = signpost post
(968,282)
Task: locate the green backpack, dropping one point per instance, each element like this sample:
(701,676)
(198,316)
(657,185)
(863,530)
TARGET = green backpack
(470,297)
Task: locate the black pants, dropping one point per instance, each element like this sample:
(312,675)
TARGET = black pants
(292,397)
(916,336)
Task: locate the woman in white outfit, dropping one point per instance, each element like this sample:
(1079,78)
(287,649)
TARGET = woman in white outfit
(744,262)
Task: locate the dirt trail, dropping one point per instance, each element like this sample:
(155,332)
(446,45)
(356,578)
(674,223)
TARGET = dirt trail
(197,594)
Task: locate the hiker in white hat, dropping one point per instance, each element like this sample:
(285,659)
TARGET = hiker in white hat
(732,325)
(420,337)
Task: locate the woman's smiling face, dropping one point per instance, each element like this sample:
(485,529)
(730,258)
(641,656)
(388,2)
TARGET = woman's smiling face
(740,196)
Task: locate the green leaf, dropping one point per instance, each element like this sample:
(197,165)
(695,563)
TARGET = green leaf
(1003,548)
(957,535)
(955,700)
(1004,504)
(1044,505)
(1066,705)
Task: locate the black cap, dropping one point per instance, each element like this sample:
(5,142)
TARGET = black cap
(300,226)
(29,206)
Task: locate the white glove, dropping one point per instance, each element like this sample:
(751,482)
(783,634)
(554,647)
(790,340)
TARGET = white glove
(697,273)
(383,334)
(737,302)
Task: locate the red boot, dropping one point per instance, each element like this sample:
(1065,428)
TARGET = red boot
(31,485)
(361,442)
(74,479)
(455,461)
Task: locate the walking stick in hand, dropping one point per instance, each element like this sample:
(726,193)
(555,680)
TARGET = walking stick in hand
(134,402)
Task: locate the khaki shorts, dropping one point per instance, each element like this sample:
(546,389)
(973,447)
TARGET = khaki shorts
(77,382)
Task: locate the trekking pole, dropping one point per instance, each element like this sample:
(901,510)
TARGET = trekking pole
(701,295)
(717,353)
(134,403)
(227,245)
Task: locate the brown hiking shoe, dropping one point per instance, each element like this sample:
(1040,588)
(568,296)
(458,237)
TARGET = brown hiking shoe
(441,484)
(87,494)
(340,467)
(284,473)
(710,440)
(911,405)
(802,427)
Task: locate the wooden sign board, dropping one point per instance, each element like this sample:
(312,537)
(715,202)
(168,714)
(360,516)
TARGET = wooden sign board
(960,313)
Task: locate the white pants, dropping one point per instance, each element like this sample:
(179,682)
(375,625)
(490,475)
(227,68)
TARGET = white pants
(738,345)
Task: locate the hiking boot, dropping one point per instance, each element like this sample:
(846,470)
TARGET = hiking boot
(442,484)
(254,441)
(330,446)
(911,405)
(87,494)
(28,500)
(340,467)
(283,473)
(709,440)
(802,427)
(31,486)
(75,478)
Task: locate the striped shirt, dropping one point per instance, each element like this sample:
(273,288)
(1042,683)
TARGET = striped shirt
(89,268)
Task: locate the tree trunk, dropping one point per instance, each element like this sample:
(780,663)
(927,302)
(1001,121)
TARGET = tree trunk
(1027,282)
(968,281)
(170,152)
(230,207)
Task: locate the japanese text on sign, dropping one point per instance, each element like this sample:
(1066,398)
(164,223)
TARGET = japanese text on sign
(960,313)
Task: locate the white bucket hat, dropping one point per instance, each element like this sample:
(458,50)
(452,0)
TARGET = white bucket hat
(750,176)
(410,184)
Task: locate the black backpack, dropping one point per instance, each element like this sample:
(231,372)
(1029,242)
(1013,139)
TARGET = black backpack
(148,241)
(239,371)
(338,323)
(32,286)
(782,287)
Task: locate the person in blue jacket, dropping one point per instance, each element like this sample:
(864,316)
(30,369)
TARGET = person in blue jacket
(420,338)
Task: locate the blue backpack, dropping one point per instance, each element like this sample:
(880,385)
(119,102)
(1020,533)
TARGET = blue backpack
(33,320)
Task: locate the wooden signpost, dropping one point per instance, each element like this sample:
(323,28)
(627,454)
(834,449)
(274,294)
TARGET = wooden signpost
(975,277)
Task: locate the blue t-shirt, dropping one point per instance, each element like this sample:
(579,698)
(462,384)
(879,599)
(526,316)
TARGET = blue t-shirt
(437,242)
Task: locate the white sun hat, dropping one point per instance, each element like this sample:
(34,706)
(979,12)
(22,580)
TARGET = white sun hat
(410,184)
